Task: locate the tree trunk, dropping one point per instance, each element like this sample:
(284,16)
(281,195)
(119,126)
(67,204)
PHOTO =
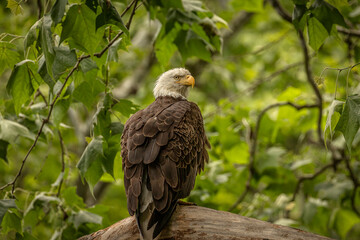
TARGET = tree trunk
(193,222)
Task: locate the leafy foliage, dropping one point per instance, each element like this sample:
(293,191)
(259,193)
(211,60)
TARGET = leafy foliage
(72,77)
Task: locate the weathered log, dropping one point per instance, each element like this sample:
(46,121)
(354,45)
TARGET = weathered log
(193,222)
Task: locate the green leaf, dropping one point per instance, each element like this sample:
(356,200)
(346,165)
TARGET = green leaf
(298,16)
(125,107)
(349,121)
(194,6)
(86,217)
(110,15)
(173,4)
(10,131)
(354,232)
(338,3)
(165,48)
(64,59)
(87,91)
(5,204)
(3,153)
(102,122)
(334,112)
(333,190)
(269,159)
(79,29)
(112,51)
(87,65)
(90,163)
(357,53)
(20,85)
(71,198)
(300,2)
(249,6)
(57,11)
(189,44)
(44,73)
(32,34)
(15,7)
(47,43)
(116,128)
(345,220)
(317,33)
(11,221)
(327,14)
(8,56)
(92,152)
(238,154)
(60,110)
(41,200)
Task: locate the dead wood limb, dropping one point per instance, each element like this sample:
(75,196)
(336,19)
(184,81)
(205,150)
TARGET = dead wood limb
(193,222)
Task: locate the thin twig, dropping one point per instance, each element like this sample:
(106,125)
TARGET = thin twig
(312,176)
(52,104)
(63,152)
(253,144)
(349,68)
(312,83)
(350,32)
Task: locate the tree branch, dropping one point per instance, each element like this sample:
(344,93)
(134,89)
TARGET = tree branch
(312,176)
(52,104)
(193,222)
(287,17)
(253,144)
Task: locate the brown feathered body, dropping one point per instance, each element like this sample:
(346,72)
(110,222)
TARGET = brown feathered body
(163,148)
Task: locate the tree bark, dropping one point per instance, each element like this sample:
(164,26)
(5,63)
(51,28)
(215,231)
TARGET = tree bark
(193,222)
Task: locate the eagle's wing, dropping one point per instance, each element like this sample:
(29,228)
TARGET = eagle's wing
(163,147)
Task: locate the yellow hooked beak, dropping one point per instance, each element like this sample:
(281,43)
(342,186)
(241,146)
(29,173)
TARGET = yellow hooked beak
(188,80)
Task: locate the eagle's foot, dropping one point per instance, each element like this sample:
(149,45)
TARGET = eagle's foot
(186,203)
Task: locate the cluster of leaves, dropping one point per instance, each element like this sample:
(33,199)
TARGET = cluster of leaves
(186,27)
(59,76)
(320,19)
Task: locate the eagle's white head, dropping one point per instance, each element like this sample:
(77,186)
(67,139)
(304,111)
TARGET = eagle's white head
(174,83)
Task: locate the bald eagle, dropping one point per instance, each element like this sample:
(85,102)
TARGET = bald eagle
(163,147)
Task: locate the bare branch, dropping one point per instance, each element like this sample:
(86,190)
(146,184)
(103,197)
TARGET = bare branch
(253,144)
(312,176)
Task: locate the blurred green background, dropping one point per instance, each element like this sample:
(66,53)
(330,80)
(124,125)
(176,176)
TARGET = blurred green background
(269,165)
